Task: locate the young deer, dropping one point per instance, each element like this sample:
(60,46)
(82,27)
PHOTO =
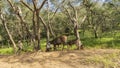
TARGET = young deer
(77,42)
(59,40)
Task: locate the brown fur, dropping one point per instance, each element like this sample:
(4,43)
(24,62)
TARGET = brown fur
(59,40)
(77,42)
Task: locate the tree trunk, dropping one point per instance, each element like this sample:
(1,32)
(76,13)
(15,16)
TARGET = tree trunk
(74,20)
(38,31)
(10,36)
(34,30)
(76,30)
(48,39)
(95,33)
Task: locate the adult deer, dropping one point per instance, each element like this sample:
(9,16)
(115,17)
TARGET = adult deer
(77,42)
(58,41)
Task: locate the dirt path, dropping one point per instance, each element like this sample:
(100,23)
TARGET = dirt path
(101,58)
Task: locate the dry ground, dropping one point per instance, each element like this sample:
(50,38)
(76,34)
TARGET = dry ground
(92,58)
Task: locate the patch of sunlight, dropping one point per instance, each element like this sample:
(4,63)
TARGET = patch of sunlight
(106,39)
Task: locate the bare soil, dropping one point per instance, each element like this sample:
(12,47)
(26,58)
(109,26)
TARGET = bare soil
(60,59)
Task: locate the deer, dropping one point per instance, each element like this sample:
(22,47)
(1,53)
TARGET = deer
(20,47)
(58,41)
(77,42)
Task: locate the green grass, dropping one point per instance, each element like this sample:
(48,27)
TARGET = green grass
(88,43)
(101,42)
(107,41)
(6,51)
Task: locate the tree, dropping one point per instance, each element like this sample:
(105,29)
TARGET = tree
(73,16)
(2,17)
(36,24)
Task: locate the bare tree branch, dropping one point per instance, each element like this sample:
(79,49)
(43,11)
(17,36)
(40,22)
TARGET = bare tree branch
(57,9)
(68,13)
(43,22)
(42,5)
(83,20)
(72,7)
(11,5)
(26,5)
(35,4)
(26,14)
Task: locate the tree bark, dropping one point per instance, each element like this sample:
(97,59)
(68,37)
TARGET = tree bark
(95,33)
(8,32)
(38,30)
(47,29)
